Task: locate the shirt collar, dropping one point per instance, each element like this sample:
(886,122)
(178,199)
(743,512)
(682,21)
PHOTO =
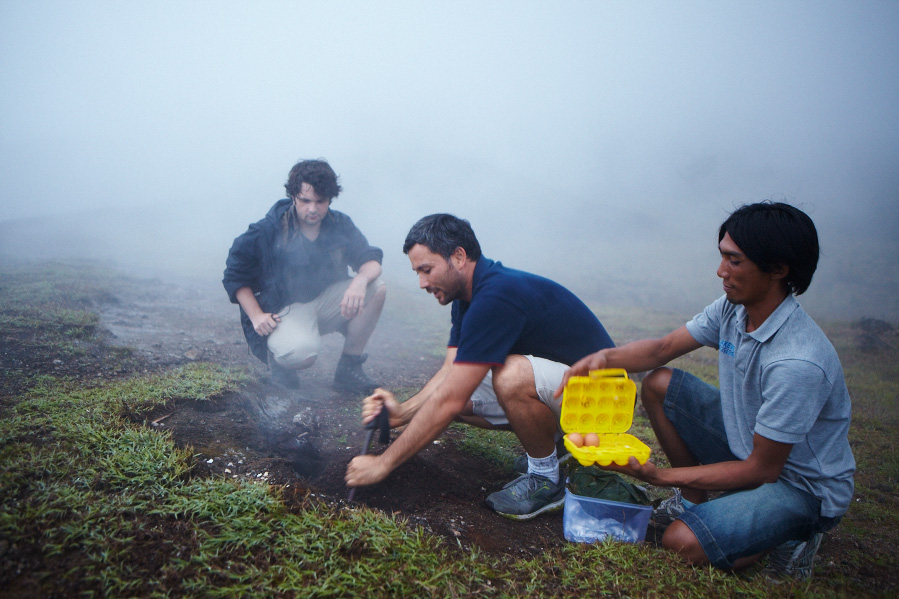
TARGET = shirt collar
(480,269)
(774,321)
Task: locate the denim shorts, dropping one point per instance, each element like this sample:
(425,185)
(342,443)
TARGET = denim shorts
(737,523)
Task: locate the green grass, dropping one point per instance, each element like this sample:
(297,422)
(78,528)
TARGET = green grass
(93,503)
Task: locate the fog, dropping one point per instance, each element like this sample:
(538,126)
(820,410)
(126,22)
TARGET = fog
(598,143)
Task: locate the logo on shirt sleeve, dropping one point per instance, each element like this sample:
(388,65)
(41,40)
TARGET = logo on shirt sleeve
(727,348)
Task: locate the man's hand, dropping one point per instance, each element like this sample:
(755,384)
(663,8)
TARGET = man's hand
(264,323)
(646,472)
(382,399)
(582,367)
(366,470)
(354,298)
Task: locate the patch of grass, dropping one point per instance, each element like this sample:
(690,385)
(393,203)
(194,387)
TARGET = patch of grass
(498,447)
(69,290)
(48,323)
(251,545)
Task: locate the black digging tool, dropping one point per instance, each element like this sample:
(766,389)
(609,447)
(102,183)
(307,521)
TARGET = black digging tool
(382,422)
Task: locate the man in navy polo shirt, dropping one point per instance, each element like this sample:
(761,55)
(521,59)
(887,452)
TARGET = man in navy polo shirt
(513,336)
(773,437)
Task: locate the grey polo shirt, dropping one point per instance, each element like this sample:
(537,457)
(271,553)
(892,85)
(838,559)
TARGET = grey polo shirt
(784,381)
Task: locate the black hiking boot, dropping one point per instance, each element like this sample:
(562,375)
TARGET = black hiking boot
(284,377)
(350,377)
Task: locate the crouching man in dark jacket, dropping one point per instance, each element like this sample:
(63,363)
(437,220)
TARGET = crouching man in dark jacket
(289,274)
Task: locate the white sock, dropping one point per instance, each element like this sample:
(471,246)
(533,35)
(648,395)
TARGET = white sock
(548,466)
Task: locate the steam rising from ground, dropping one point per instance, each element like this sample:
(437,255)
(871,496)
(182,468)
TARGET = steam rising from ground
(599,144)
(642,263)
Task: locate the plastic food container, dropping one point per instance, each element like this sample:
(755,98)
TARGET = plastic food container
(587,520)
(602,403)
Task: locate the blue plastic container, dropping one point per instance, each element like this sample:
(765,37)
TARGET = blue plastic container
(587,520)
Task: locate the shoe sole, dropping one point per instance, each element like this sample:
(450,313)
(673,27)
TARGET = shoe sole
(549,507)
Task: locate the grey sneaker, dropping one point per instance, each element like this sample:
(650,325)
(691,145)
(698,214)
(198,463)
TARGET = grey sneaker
(527,496)
(668,511)
(793,559)
(520,465)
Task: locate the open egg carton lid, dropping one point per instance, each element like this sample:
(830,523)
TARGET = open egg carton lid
(602,403)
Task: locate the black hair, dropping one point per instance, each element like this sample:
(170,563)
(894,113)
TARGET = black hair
(442,234)
(318,174)
(772,234)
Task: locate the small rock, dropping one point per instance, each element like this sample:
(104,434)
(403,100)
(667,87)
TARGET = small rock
(305,418)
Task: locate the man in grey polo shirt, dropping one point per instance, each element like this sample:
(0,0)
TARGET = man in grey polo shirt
(774,439)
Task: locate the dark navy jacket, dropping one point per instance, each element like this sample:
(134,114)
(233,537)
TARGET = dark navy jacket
(282,269)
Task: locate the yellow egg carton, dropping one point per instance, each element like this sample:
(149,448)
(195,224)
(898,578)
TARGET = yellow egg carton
(602,403)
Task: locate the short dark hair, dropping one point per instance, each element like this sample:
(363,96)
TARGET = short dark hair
(318,174)
(774,233)
(442,234)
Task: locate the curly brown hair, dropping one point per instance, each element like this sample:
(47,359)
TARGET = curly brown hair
(318,174)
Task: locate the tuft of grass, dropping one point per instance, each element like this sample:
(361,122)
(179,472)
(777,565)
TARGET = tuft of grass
(48,321)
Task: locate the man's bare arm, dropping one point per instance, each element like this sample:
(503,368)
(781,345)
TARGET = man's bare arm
(263,322)
(353,300)
(402,413)
(432,416)
(763,465)
(637,356)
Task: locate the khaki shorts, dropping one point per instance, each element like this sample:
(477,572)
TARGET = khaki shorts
(547,378)
(298,337)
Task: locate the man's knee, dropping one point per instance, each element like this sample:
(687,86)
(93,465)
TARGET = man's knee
(678,537)
(514,379)
(298,359)
(655,386)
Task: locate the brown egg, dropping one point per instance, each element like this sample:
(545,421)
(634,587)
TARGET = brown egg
(576,439)
(591,440)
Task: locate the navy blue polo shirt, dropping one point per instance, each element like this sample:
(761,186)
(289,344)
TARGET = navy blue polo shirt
(515,312)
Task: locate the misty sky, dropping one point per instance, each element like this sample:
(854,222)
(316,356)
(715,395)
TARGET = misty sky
(589,141)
